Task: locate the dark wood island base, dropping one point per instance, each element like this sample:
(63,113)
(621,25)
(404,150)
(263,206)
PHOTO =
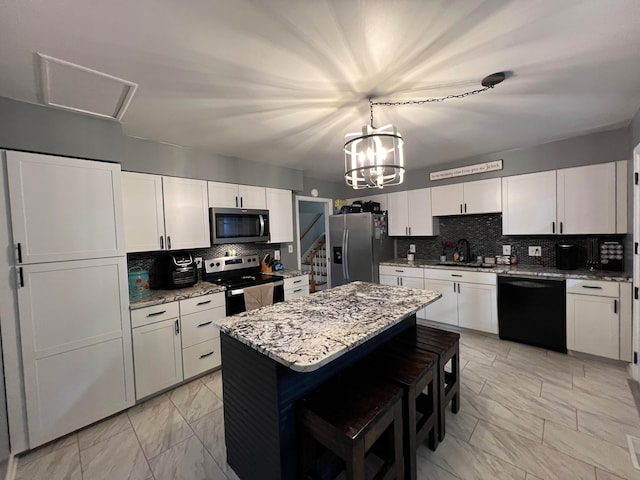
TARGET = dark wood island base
(260,397)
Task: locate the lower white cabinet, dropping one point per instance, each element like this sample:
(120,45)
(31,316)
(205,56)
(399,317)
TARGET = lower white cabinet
(175,341)
(598,318)
(469,299)
(410,277)
(296,287)
(76,344)
(157,356)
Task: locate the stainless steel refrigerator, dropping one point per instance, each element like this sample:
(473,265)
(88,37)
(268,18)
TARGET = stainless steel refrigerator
(358,242)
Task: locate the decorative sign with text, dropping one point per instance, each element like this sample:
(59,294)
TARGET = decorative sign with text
(468,170)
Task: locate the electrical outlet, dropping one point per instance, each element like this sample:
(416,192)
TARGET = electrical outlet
(276,254)
(535,251)
(290,248)
(506,249)
(199,262)
(412,248)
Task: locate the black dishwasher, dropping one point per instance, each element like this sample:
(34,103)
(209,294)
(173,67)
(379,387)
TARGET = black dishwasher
(533,311)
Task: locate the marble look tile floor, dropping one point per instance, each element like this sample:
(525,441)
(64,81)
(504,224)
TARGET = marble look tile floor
(526,413)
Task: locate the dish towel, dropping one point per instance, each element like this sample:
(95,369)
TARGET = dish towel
(258,296)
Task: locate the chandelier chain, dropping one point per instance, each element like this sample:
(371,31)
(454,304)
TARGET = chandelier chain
(426,100)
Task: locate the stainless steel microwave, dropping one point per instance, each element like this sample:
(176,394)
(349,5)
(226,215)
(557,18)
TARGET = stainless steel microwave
(238,225)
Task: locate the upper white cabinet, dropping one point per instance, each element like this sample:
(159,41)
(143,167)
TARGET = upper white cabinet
(482,196)
(587,199)
(581,200)
(280,206)
(64,208)
(529,204)
(410,214)
(230,195)
(164,213)
(186,213)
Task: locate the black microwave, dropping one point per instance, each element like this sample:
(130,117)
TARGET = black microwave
(238,225)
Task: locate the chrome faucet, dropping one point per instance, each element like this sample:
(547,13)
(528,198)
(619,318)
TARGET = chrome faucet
(467,251)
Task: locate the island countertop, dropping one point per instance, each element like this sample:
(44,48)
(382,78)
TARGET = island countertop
(309,332)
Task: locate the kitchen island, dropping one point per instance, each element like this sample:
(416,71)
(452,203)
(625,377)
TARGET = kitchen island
(273,356)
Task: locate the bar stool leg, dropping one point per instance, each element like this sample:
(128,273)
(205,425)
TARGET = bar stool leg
(355,462)
(455,371)
(397,440)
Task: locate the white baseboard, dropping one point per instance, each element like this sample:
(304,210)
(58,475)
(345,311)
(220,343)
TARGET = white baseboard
(12,467)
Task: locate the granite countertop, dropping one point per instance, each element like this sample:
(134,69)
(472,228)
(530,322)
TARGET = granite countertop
(286,273)
(157,297)
(518,270)
(307,333)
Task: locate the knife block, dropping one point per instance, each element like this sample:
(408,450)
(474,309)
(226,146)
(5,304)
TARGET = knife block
(264,268)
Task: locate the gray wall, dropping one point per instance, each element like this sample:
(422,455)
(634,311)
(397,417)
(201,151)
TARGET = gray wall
(634,130)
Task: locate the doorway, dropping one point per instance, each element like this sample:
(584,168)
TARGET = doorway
(312,240)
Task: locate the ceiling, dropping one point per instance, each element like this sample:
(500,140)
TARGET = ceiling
(282,81)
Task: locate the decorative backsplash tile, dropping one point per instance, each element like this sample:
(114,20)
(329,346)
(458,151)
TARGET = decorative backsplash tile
(145,260)
(484,233)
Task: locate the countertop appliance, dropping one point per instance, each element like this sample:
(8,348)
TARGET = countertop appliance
(238,225)
(533,311)
(174,270)
(237,273)
(359,242)
(566,256)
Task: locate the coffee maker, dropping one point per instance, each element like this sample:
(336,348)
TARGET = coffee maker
(566,256)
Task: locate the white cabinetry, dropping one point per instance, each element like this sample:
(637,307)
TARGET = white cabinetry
(469,299)
(598,318)
(410,277)
(175,341)
(529,204)
(157,349)
(296,287)
(575,201)
(587,199)
(164,213)
(482,196)
(200,337)
(280,206)
(410,214)
(64,208)
(230,195)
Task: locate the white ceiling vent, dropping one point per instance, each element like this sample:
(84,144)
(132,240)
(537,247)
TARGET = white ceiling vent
(73,87)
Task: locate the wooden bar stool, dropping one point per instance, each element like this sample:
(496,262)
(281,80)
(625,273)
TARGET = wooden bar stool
(414,370)
(348,416)
(447,346)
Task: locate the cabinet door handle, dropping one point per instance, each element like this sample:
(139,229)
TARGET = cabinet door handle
(21,275)
(460,208)
(454,287)
(161,242)
(401,284)
(406,231)
(465,208)
(19,252)
(236,201)
(177,323)
(204,324)
(458,288)
(156,313)
(203,303)
(206,355)
(593,287)
(168,242)
(297,290)
(297,281)
(400,271)
(560,227)
(241,202)
(615,305)
(553,227)
(456,275)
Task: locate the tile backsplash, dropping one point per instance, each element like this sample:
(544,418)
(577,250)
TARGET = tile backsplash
(145,259)
(484,233)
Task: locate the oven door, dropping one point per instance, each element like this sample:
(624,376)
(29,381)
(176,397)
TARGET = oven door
(238,225)
(235,298)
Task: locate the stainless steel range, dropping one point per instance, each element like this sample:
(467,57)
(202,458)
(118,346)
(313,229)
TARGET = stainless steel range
(237,273)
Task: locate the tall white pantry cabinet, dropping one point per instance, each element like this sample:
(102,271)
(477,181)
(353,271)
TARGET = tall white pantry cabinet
(71,286)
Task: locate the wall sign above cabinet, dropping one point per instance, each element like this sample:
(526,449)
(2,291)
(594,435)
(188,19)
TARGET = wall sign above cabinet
(468,170)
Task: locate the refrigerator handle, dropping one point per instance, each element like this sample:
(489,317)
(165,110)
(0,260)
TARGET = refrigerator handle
(345,255)
(344,251)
